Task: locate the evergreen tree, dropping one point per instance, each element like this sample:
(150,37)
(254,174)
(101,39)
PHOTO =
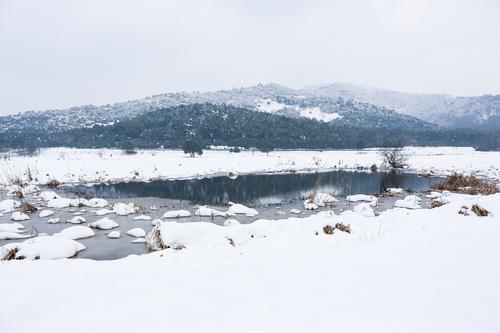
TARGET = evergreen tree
(192,147)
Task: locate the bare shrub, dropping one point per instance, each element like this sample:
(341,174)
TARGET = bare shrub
(467,184)
(479,211)
(343,227)
(328,229)
(53,184)
(436,203)
(154,240)
(231,242)
(395,157)
(11,254)
(373,168)
(464,211)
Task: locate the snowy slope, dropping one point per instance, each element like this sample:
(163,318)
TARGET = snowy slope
(446,110)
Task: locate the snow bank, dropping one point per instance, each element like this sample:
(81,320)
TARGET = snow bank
(45,247)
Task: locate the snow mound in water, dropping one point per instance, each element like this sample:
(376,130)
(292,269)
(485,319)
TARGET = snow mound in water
(61,203)
(76,232)
(361,197)
(96,203)
(104,224)
(9,205)
(114,234)
(48,195)
(323,199)
(173,214)
(310,205)
(136,232)
(142,218)
(18,216)
(11,227)
(205,211)
(242,209)
(295,211)
(124,209)
(138,241)
(230,222)
(46,213)
(409,202)
(45,247)
(5,235)
(101,212)
(364,209)
(77,220)
(54,220)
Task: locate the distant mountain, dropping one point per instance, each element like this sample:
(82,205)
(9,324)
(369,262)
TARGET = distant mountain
(444,110)
(271,98)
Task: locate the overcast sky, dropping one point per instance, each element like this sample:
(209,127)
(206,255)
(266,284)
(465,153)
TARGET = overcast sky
(56,54)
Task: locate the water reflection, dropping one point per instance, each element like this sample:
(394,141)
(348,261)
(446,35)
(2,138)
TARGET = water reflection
(261,188)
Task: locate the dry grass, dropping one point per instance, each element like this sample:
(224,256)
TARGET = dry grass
(436,204)
(466,184)
(343,227)
(479,211)
(328,229)
(28,208)
(231,241)
(11,254)
(154,241)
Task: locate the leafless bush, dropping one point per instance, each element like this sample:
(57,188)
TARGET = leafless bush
(466,184)
(343,227)
(53,184)
(480,211)
(436,203)
(395,157)
(328,229)
(373,167)
(27,208)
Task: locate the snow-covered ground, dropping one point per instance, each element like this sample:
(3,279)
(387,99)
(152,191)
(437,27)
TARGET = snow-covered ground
(86,165)
(423,270)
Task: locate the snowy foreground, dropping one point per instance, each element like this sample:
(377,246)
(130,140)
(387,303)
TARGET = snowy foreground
(419,270)
(100,165)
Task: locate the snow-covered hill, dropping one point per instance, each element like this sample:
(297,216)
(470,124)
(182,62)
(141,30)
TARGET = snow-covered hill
(445,110)
(270,98)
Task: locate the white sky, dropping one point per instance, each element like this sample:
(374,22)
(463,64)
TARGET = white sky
(61,53)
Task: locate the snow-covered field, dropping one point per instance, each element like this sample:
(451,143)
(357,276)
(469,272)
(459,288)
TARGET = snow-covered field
(427,270)
(85,165)
(405,270)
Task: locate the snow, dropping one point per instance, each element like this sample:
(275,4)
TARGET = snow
(104,224)
(46,213)
(18,216)
(45,247)
(136,232)
(410,202)
(402,270)
(310,205)
(48,195)
(315,113)
(76,232)
(230,222)
(394,190)
(323,199)
(295,211)
(142,218)
(364,209)
(242,209)
(138,241)
(114,234)
(54,220)
(176,214)
(96,203)
(9,205)
(124,209)
(101,165)
(61,203)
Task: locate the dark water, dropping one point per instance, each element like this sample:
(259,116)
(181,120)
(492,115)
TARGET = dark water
(256,188)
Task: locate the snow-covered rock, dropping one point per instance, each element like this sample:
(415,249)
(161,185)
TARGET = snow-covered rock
(395,190)
(156,222)
(61,203)
(77,220)
(123,209)
(46,213)
(295,211)
(172,214)
(310,205)
(114,234)
(19,216)
(9,205)
(54,220)
(45,247)
(30,189)
(48,195)
(104,224)
(76,232)
(142,218)
(409,202)
(230,222)
(136,232)
(323,199)
(242,209)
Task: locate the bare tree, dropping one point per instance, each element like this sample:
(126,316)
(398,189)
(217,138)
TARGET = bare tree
(395,157)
